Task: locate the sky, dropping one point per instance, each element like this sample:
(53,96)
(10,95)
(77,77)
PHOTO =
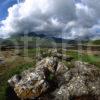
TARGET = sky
(67,19)
(4,5)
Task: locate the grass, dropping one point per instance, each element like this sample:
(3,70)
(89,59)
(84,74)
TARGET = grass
(4,78)
(19,65)
(90,58)
(14,67)
(96,42)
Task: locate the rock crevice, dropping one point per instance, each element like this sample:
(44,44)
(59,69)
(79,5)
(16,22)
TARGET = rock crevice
(52,80)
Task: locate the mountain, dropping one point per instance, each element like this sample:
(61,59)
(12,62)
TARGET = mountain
(35,40)
(43,36)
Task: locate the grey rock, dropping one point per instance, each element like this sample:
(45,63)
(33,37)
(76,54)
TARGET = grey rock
(52,80)
(34,83)
(14,80)
(82,81)
(39,57)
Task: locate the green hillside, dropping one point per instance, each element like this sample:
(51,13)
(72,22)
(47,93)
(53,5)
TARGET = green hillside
(96,42)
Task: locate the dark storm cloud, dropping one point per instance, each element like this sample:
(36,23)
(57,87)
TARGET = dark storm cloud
(66,18)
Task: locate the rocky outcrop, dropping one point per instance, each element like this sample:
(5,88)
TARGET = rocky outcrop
(31,84)
(54,53)
(82,81)
(52,80)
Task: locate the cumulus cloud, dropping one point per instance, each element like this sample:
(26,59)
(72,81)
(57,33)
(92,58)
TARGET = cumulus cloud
(38,16)
(64,18)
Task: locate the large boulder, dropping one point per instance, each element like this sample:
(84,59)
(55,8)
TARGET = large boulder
(81,83)
(31,84)
(52,80)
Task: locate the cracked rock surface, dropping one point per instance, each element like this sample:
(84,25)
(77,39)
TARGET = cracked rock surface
(52,80)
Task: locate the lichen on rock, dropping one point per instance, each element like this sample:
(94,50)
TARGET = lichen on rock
(52,80)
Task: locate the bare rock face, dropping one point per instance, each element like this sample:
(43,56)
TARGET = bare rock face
(31,84)
(81,83)
(52,80)
(62,56)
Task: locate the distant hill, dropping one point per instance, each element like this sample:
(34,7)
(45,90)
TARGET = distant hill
(42,36)
(95,42)
(35,40)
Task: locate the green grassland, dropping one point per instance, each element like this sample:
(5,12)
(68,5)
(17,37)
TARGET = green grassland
(96,42)
(85,57)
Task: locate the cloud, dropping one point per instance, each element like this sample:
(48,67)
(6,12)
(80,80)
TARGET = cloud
(62,18)
(38,15)
(88,16)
